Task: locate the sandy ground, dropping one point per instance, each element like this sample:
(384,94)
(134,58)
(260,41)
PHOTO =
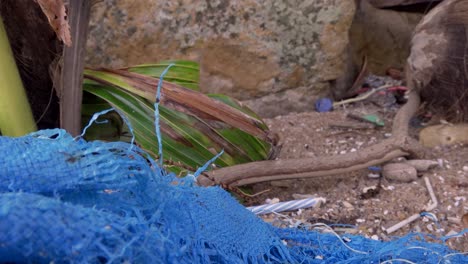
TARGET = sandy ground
(310,135)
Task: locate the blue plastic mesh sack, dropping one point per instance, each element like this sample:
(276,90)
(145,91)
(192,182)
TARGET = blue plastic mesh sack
(70,201)
(91,202)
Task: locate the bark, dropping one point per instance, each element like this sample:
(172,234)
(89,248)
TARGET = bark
(73,65)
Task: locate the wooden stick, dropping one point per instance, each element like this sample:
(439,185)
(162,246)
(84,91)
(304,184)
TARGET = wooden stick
(73,66)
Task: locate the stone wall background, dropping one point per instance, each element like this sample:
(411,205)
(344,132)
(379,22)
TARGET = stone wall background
(275,55)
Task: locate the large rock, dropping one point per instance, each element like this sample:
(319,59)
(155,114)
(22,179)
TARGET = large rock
(437,65)
(383,35)
(247,49)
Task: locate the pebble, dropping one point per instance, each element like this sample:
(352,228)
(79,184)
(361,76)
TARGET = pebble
(464,220)
(299,196)
(418,229)
(454,220)
(347,205)
(399,172)
(465,168)
(272,201)
(430,227)
(422,165)
(452,233)
(441,162)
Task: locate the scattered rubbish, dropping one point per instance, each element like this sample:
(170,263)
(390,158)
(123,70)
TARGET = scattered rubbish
(431,206)
(394,73)
(286,206)
(324,105)
(372,119)
(368,92)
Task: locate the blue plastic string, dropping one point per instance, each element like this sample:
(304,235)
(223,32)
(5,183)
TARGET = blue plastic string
(156,114)
(93,119)
(103,112)
(204,167)
(130,127)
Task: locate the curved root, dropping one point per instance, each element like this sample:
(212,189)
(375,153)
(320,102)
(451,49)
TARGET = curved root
(399,144)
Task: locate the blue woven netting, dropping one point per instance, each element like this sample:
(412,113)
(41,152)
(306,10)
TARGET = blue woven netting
(64,200)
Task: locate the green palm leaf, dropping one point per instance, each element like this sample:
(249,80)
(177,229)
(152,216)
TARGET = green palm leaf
(194,126)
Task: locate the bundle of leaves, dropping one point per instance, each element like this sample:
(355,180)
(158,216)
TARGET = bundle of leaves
(194,126)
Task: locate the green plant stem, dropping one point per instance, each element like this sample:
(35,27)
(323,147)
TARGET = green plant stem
(16,118)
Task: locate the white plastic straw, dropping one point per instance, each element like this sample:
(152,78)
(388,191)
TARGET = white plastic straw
(286,206)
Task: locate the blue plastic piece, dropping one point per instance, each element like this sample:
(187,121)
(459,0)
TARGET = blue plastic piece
(324,105)
(375,168)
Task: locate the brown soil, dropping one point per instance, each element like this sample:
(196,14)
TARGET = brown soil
(310,135)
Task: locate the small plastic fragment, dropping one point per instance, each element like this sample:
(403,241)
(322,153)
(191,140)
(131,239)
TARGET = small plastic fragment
(374,119)
(324,105)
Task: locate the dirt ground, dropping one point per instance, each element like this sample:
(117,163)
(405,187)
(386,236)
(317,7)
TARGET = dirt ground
(310,135)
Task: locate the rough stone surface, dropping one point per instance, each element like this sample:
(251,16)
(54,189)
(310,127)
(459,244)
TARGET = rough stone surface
(396,3)
(247,49)
(383,35)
